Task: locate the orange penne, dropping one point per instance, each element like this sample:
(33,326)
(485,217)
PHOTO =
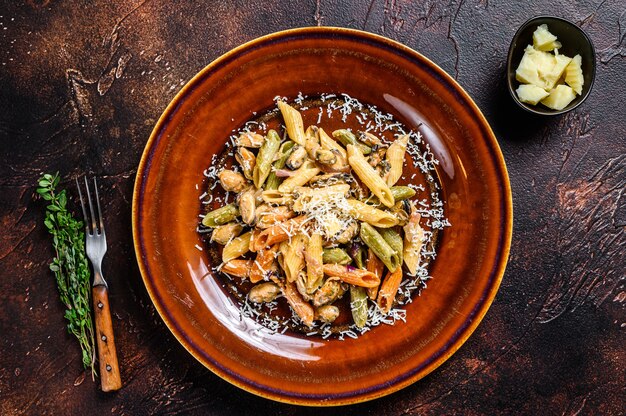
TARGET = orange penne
(277,233)
(237,267)
(301,307)
(263,263)
(254,234)
(377,267)
(352,275)
(268,216)
(389,289)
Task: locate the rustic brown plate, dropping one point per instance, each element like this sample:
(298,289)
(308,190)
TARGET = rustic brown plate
(292,368)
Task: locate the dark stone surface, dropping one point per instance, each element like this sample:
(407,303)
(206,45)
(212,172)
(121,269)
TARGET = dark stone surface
(82,84)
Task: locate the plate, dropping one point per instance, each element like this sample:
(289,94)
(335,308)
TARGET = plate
(290,367)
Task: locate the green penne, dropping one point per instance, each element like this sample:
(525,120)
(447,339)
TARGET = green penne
(273,181)
(394,239)
(346,137)
(399,193)
(379,246)
(265,158)
(221,216)
(358,304)
(336,256)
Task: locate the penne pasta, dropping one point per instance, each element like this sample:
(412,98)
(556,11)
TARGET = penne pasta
(369,139)
(399,193)
(273,181)
(263,264)
(276,197)
(265,158)
(369,177)
(293,123)
(380,247)
(220,216)
(327,143)
(358,305)
(237,247)
(301,308)
(349,139)
(413,241)
(373,216)
(267,216)
(304,174)
(293,256)
(313,256)
(394,239)
(377,267)
(352,275)
(336,256)
(388,290)
(278,233)
(237,267)
(395,157)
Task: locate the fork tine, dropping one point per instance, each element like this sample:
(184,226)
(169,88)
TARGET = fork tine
(100,222)
(93,216)
(82,204)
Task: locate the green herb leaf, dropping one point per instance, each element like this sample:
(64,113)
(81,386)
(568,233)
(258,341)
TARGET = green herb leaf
(70,266)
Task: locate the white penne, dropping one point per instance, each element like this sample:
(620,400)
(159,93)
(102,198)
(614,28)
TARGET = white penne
(293,122)
(369,176)
(306,172)
(276,197)
(237,247)
(395,157)
(413,241)
(373,216)
(328,143)
(293,260)
(314,263)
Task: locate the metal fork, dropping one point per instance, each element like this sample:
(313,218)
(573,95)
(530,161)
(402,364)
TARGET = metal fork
(96,247)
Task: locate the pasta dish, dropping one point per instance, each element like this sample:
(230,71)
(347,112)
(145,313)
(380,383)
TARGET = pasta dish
(317,217)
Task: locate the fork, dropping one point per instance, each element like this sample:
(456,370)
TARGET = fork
(96,247)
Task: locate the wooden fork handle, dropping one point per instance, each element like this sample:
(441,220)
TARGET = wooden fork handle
(109,369)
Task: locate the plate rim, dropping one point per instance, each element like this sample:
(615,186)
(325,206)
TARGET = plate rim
(499,265)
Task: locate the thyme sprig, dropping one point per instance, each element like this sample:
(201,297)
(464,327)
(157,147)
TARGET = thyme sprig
(70,266)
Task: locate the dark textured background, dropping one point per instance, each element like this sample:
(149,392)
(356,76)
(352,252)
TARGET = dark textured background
(83,82)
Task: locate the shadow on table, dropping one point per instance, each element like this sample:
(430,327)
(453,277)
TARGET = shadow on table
(509,121)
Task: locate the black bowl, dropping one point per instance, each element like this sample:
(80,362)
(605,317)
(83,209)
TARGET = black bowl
(575,41)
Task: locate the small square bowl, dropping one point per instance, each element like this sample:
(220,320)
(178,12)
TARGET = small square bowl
(575,41)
